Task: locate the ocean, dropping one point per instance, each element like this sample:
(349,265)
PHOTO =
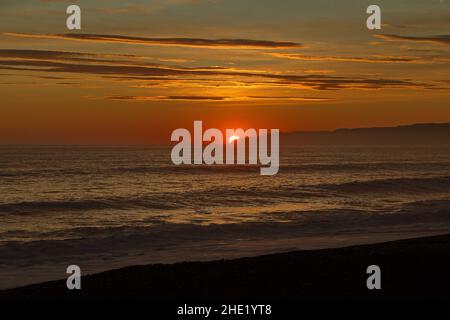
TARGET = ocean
(108,207)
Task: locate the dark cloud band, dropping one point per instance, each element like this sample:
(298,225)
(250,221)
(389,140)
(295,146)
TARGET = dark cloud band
(186,42)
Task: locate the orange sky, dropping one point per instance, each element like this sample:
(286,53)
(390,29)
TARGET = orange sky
(140,69)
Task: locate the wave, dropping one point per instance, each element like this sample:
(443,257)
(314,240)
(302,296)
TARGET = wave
(256,195)
(85,204)
(397,185)
(105,241)
(164,169)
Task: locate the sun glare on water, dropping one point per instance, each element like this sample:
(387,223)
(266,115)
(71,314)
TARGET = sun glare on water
(233,138)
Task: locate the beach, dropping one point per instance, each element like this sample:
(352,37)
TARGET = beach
(410,269)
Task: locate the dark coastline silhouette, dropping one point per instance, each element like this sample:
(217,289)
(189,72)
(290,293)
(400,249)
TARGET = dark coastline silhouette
(416,134)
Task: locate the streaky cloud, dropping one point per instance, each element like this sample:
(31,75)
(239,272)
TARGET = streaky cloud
(213,98)
(369,59)
(156,98)
(39,62)
(185,42)
(440,39)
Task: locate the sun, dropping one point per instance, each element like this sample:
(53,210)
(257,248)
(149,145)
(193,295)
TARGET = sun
(233,138)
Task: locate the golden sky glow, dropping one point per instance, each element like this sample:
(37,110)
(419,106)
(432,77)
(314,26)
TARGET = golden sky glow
(139,69)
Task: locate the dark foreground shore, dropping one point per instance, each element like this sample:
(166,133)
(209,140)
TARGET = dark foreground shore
(415,268)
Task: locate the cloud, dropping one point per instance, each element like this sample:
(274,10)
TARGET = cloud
(319,71)
(213,98)
(29,53)
(442,39)
(63,55)
(155,98)
(185,42)
(311,99)
(99,58)
(370,59)
(33,60)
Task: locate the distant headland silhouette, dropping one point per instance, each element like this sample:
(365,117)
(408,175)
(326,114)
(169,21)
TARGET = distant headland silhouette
(415,134)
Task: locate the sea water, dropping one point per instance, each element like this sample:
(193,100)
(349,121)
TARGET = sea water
(108,207)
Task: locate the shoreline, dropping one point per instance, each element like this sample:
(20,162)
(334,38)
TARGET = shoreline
(410,269)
